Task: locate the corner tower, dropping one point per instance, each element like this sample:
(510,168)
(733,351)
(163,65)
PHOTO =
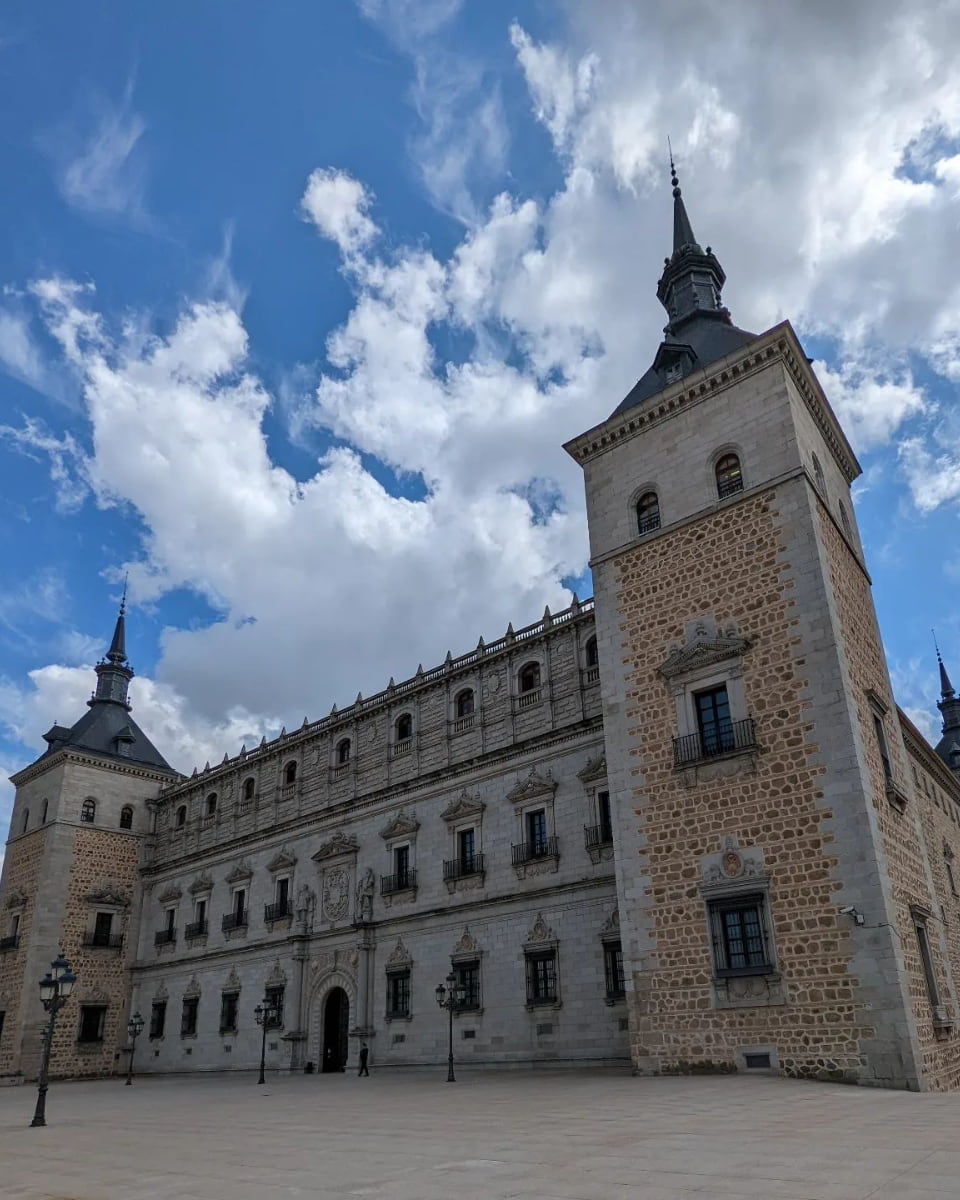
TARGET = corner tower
(753,751)
(70,877)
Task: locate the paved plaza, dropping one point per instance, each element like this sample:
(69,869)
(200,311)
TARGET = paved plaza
(525,1135)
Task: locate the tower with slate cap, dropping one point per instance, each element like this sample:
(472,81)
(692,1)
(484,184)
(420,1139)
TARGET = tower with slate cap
(70,876)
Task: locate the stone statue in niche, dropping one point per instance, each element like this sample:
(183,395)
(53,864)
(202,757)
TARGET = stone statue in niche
(365,887)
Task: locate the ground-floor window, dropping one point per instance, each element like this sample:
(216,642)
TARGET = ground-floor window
(468,977)
(158,1018)
(274,998)
(739,936)
(613,970)
(92,1020)
(542,977)
(398,994)
(188,1018)
(229,1002)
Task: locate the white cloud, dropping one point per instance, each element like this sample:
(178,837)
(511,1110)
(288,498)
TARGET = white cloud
(337,204)
(871,407)
(407,21)
(68,463)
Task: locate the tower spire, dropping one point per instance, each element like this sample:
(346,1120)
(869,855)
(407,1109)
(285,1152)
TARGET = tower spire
(118,652)
(946,687)
(113,670)
(682,229)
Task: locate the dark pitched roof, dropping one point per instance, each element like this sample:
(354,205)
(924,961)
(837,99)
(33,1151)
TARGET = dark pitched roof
(108,730)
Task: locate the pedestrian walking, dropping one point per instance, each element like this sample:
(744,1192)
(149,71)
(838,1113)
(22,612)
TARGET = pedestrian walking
(364,1055)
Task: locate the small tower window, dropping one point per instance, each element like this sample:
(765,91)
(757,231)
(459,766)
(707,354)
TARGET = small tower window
(290,773)
(26,820)
(181,816)
(465,703)
(845,522)
(729,476)
(404,728)
(343,751)
(593,659)
(248,789)
(211,808)
(88,810)
(529,678)
(126,817)
(44,811)
(648,512)
(818,476)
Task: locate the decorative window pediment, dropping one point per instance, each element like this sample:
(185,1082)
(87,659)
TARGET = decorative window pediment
(611,926)
(399,959)
(540,934)
(463,807)
(202,884)
(283,860)
(94,995)
(534,785)
(232,983)
(705,645)
(734,868)
(192,990)
(241,873)
(466,945)
(109,895)
(17,899)
(170,893)
(402,825)
(595,769)
(161,995)
(339,846)
(277,977)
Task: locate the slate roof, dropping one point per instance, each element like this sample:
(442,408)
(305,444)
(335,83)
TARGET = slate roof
(107,729)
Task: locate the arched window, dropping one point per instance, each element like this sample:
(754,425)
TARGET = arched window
(44,811)
(529,677)
(181,816)
(845,521)
(26,819)
(464,703)
(818,475)
(592,657)
(648,512)
(212,805)
(343,751)
(290,773)
(88,810)
(248,789)
(729,476)
(404,728)
(126,817)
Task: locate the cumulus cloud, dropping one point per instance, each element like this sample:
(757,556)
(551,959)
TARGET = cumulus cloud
(67,461)
(871,407)
(337,205)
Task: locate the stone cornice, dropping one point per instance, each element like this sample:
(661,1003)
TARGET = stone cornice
(68,754)
(930,760)
(779,343)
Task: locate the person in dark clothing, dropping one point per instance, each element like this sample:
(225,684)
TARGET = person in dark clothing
(364,1055)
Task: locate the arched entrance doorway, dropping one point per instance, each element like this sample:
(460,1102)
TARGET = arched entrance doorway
(336,1023)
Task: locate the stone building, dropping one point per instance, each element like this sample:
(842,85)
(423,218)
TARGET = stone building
(682,825)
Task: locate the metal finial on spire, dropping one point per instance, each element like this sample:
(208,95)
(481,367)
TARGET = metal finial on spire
(946,687)
(123,598)
(674,181)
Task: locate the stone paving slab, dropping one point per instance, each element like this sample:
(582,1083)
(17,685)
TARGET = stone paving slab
(491,1136)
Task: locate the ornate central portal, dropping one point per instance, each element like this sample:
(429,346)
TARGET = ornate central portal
(336,1024)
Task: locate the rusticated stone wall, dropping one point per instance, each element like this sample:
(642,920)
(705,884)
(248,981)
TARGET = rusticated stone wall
(21,874)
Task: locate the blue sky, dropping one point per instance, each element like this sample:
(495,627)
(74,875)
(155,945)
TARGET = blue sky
(299,302)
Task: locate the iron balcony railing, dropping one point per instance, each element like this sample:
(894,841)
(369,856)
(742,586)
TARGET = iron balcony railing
(276,912)
(195,929)
(398,883)
(164,937)
(548,847)
(234,920)
(597,835)
(11,942)
(729,487)
(103,941)
(457,868)
(649,523)
(727,738)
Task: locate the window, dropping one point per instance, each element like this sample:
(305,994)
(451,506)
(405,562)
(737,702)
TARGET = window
(818,475)
(464,703)
(290,773)
(274,998)
(542,977)
(592,657)
(211,805)
(398,994)
(248,789)
(92,1020)
(926,960)
(283,894)
(239,905)
(126,817)
(536,829)
(613,970)
(739,936)
(102,929)
(343,751)
(181,816)
(882,746)
(713,720)
(404,728)
(845,521)
(948,863)
(648,512)
(200,911)
(604,817)
(529,677)
(466,848)
(2,1015)
(88,810)
(729,476)
(229,1002)
(188,1018)
(401,865)
(170,919)
(158,1018)
(468,976)
(43,812)
(26,820)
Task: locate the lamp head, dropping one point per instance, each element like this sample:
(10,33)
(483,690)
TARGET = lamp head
(440,992)
(59,966)
(67,980)
(48,988)
(135,1025)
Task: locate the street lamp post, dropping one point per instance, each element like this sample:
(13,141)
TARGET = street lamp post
(134,1029)
(451,998)
(266,1016)
(55,989)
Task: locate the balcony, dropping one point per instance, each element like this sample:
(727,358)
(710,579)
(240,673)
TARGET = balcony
(103,941)
(595,836)
(234,920)
(732,738)
(10,943)
(591,675)
(400,748)
(461,868)
(165,937)
(288,791)
(527,852)
(462,724)
(528,699)
(277,912)
(196,929)
(340,770)
(730,486)
(405,881)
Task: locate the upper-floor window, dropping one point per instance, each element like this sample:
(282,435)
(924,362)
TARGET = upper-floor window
(343,751)
(648,512)
(845,521)
(44,811)
(529,677)
(818,475)
(248,789)
(26,820)
(404,727)
(88,810)
(126,817)
(464,703)
(592,657)
(713,720)
(729,476)
(882,746)
(181,816)
(290,773)
(211,806)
